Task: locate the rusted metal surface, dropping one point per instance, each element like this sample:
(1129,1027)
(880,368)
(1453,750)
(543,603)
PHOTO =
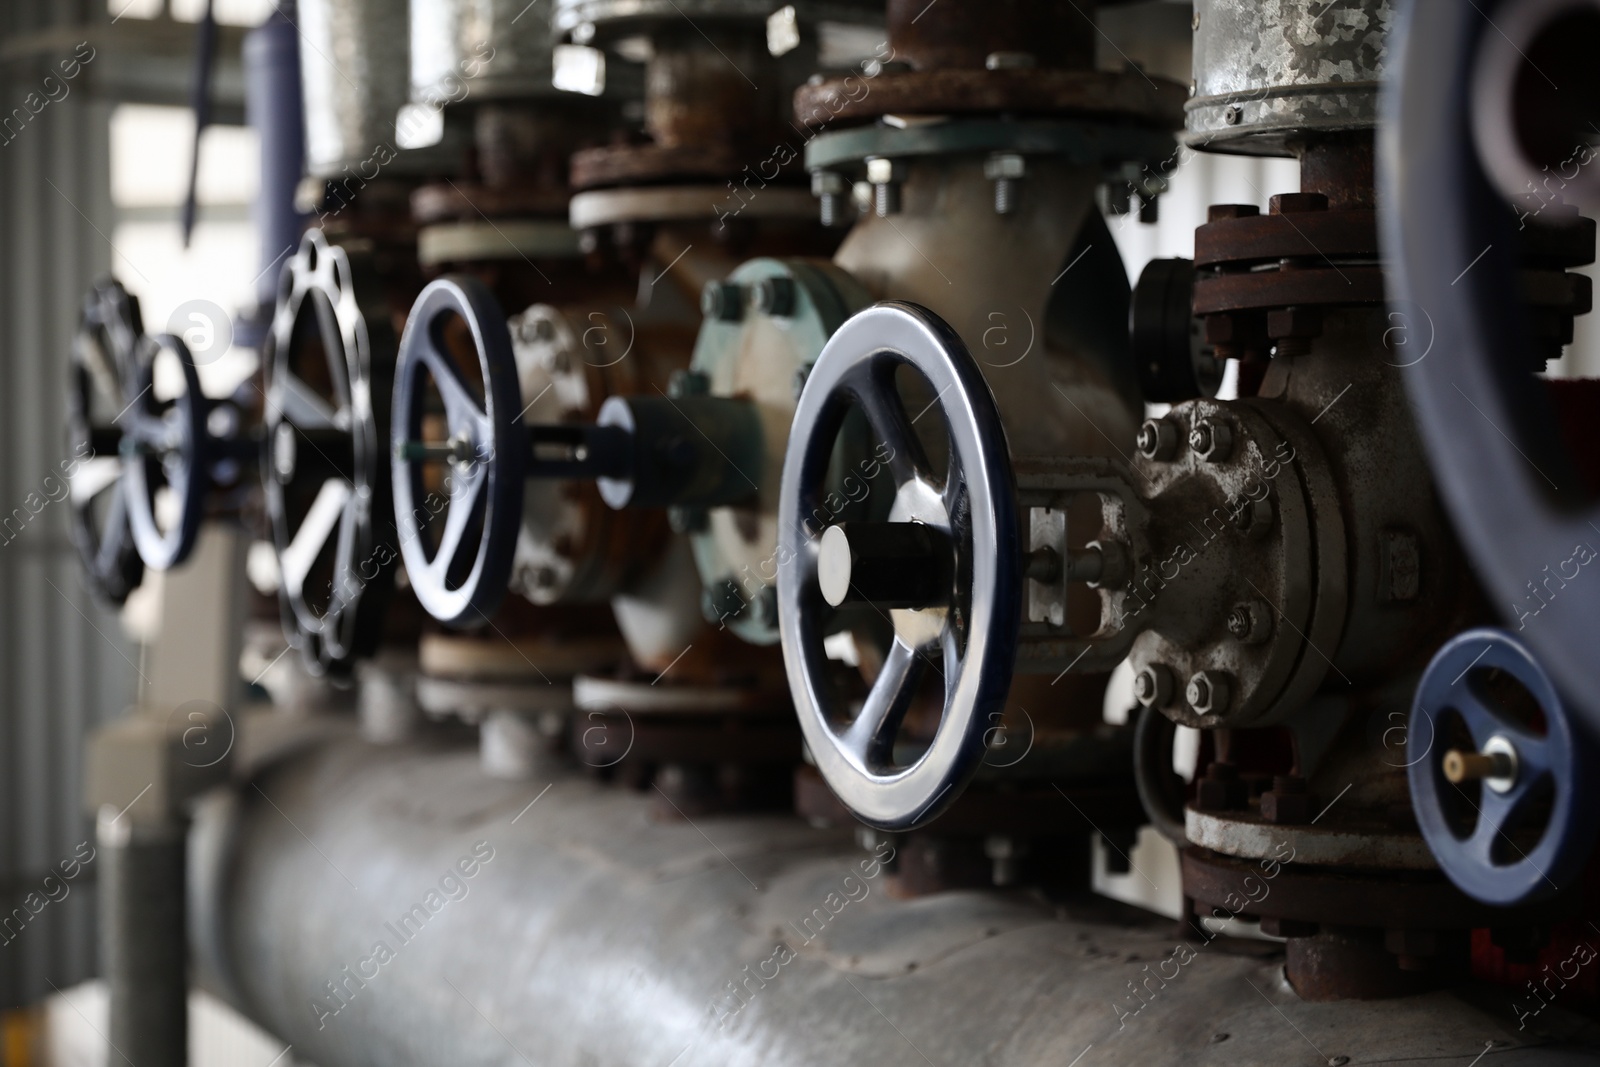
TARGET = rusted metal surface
(623,165)
(1126,95)
(1336,896)
(1240,834)
(955,36)
(1249,239)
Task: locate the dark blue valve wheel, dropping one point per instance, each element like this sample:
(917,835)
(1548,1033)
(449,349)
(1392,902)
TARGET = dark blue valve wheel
(166,455)
(944,571)
(1505,793)
(109,328)
(1485,156)
(460,451)
(328,361)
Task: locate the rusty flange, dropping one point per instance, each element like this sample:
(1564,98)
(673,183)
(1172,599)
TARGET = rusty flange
(458,201)
(608,166)
(1284,889)
(1243,236)
(572,547)
(1126,96)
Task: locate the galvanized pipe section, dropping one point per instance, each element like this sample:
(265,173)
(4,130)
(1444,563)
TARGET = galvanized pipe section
(1272,73)
(141,941)
(396,907)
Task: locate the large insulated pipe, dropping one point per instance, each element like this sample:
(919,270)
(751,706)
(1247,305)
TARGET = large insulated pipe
(395,907)
(273,108)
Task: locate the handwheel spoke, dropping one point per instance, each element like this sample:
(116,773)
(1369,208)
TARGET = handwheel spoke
(462,410)
(873,387)
(296,561)
(1496,813)
(111,544)
(300,405)
(93,477)
(464,492)
(346,582)
(871,735)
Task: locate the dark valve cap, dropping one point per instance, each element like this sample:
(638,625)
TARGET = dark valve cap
(889,564)
(1168,347)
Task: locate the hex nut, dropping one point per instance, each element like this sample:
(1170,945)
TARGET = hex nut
(1254,518)
(773,296)
(1212,440)
(723,301)
(688,383)
(1005,165)
(1250,622)
(1153,685)
(1209,692)
(1157,439)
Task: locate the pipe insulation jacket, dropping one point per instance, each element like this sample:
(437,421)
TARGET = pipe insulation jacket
(395,907)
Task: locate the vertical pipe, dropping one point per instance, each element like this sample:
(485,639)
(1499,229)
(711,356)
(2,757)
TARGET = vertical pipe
(273,107)
(142,943)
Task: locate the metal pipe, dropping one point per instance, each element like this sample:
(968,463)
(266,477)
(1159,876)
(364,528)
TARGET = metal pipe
(141,940)
(272,100)
(394,906)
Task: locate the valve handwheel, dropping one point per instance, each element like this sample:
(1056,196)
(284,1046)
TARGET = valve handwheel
(1493,849)
(1474,119)
(462,578)
(102,358)
(166,455)
(945,569)
(328,352)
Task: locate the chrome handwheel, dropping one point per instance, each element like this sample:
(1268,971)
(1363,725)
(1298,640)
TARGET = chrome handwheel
(944,570)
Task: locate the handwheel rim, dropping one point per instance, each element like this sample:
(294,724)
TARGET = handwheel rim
(105,547)
(855,761)
(1556,862)
(177,434)
(495,474)
(1447,242)
(320,279)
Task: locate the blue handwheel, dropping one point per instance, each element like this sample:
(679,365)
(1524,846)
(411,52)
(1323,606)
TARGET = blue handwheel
(1495,725)
(165,449)
(462,575)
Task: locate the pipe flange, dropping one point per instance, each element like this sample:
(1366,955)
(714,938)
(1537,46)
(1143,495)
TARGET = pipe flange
(1128,96)
(686,203)
(573,548)
(787,310)
(1271,534)
(1084,143)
